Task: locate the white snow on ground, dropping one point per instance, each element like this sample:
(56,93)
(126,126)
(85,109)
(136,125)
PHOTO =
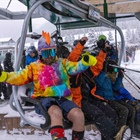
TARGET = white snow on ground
(89,135)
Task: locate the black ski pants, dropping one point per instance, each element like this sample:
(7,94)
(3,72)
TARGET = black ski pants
(107,109)
(95,115)
(131,114)
(122,112)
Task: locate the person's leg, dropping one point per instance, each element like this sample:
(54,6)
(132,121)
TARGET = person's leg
(137,123)
(56,117)
(131,114)
(107,109)
(56,130)
(9,90)
(122,112)
(75,115)
(93,114)
(4,90)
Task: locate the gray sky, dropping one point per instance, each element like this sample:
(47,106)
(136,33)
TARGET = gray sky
(13,28)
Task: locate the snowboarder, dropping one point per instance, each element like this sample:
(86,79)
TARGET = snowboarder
(51,86)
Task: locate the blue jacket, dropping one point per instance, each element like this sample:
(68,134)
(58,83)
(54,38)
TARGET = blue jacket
(112,54)
(104,86)
(124,94)
(30,59)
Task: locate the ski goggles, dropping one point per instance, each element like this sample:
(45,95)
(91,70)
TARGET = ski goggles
(47,53)
(115,69)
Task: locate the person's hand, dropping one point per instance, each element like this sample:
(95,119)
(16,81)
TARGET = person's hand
(89,60)
(121,73)
(3,76)
(101,43)
(107,47)
(83,40)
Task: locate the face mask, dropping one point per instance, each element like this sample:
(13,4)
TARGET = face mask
(47,53)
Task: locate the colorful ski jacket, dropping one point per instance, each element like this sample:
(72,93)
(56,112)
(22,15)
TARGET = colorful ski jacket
(49,80)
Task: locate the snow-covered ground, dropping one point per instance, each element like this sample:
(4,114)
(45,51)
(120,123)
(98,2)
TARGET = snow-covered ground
(89,135)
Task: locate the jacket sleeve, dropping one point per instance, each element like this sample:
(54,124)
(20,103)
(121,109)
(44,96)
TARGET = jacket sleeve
(74,68)
(117,84)
(20,77)
(96,69)
(75,53)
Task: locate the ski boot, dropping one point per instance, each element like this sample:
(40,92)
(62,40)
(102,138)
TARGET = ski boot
(124,133)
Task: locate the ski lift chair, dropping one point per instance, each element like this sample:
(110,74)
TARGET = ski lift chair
(84,11)
(23,98)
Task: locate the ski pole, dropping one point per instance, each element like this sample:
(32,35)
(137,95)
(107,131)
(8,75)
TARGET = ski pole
(124,68)
(132,81)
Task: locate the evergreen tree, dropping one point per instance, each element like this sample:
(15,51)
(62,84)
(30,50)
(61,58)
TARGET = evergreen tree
(128,35)
(133,37)
(138,34)
(110,36)
(91,37)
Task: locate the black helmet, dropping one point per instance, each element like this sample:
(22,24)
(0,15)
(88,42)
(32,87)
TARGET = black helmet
(75,42)
(111,68)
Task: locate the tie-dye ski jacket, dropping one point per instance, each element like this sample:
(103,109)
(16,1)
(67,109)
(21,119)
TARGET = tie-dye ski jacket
(49,80)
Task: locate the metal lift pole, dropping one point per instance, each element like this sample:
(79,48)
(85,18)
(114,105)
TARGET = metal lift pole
(30,22)
(105,10)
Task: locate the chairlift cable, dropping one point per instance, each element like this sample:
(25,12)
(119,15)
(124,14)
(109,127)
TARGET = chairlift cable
(8,4)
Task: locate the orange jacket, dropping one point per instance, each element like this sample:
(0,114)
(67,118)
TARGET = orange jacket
(74,56)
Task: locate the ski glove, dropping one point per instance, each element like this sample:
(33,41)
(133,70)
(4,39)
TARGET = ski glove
(83,40)
(101,44)
(88,60)
(3,76)
(121,73)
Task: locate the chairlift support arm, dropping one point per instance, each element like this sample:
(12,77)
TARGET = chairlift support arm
(83,13)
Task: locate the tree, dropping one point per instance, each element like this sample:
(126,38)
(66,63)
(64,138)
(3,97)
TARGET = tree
(91,37)
(128,35)
(110,36)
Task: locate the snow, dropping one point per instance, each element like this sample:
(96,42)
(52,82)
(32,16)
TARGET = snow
(89,135)
(135,76)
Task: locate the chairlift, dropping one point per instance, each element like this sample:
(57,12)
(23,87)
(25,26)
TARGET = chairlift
(80,9)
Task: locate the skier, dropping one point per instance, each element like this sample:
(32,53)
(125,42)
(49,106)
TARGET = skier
(31,56)
(2,88)
(8,67)
(105,88)
(51,86)
(123,95)
(84,94)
